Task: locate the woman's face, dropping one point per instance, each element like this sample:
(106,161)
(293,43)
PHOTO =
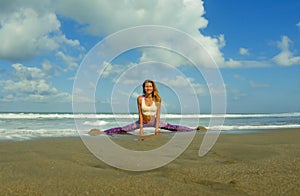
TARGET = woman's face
(148,87)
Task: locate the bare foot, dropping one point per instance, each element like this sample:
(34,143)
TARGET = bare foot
(94,132)
(201,128)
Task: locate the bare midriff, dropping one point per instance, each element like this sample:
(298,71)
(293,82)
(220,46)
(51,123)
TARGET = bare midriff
(147,118)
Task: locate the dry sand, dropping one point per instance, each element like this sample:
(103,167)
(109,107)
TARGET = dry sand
(248,164)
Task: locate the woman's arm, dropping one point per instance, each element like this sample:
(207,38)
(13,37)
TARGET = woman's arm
(139,104)
(158,104)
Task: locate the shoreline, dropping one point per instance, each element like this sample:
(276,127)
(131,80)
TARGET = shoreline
(260,163)
(224,132)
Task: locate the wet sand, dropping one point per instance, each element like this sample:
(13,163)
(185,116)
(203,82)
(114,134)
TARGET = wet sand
(265,163)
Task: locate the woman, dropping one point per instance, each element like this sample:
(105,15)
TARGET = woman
(149,114)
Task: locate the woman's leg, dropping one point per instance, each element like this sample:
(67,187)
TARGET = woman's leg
(130,127)
(170,127)
(136,125)
(124,129)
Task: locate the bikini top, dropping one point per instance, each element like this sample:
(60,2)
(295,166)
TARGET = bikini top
(148,110)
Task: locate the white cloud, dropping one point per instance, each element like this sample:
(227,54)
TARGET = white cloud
(131,79)
(179,81)
(244,51)
(81,96)
(217,89)
(286,57)
(106,16)
(29,85)
(70,42)
(298,24)
(232,63)
(187,85)
(111,69)
(50,69)
(254,84)
(25,33)
(163,56)
(69,60)
(235,94)
(239,77)
(213,47)
(29,29)
(38,28)
(28,73)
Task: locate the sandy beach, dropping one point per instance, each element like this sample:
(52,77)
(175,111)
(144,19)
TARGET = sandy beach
(265,163)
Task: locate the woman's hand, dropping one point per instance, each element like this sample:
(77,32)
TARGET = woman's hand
(141,131)
(157,131)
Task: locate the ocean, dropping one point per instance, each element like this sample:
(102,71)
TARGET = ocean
(27,126)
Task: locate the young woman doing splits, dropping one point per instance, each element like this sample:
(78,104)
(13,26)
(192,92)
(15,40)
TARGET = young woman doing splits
(149,115)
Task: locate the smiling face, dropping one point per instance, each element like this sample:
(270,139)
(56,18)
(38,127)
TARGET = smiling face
(148,88)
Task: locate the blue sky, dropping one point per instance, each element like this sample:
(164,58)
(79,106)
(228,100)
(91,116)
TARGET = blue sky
(256,45)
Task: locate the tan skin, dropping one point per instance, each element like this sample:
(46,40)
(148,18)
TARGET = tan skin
(148,91)
(148,101)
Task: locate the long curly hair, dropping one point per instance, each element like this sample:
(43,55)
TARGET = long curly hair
(155,93)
